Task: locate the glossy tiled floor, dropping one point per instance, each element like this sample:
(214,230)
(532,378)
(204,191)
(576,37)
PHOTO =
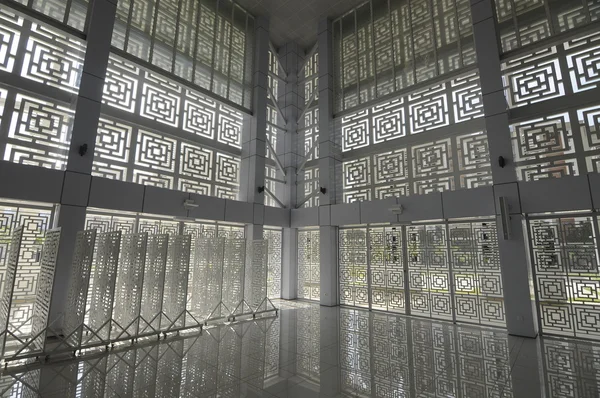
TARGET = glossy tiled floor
(312,351)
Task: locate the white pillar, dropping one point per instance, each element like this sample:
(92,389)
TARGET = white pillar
(329,161)
(76,186)
(521,313)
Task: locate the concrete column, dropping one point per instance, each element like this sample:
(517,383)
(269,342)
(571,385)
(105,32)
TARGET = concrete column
(329,162)
(254,136)
(521,313)
(289,270)
(291,101)
(76,186)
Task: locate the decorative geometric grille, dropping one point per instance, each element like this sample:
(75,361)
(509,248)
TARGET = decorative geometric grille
(386,256)
(565,261)
(234,268)
(478,292)
(275,239)
(429,271)
(158,226)
(461,162)
(130,278)
(128,153)
(154,282)
(176,281)
(383,48)
(9,283)
(309,266)
(255,289)
(43,296)
(208,44)
(77,294)
(36,127)
(441,105)
(453,269)
(102,285)
(109,223)
(354,288)
(72,13)
(524,22)
(309,179)
(208,277)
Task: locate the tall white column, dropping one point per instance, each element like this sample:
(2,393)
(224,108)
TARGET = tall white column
(76,186)
(329,161)
(521,313)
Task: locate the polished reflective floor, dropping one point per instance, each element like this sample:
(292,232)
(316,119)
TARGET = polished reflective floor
(312,351)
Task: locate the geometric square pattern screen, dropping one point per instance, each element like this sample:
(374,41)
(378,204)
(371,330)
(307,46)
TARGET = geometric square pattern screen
(139,151)
(208,43)
(379,53)
(36,115)
(453,271)
(524,22)
(460,162)
(309,266)
(564,253)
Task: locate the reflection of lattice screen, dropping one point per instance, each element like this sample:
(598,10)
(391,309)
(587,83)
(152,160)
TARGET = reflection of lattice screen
(466,359)
(192,41)
(308,343)
(386,264)
(390,50)
(462,162)
(354,289)
(37,123)
(72,14)
(309,267)
(478,292)
(176,281)
(564,257)
(355,360)
(43,296)
(525,22)
(429,271)
(128,287)
(566,361)
(275,239)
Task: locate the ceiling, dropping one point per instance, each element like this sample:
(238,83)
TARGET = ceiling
(296,20)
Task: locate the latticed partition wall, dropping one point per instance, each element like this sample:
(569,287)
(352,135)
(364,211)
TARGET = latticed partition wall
(431,359)
(275,238)
(156,131)
(36,219)
(309,266)
(564,255)
(41,68)
(453,270)
(208,43)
